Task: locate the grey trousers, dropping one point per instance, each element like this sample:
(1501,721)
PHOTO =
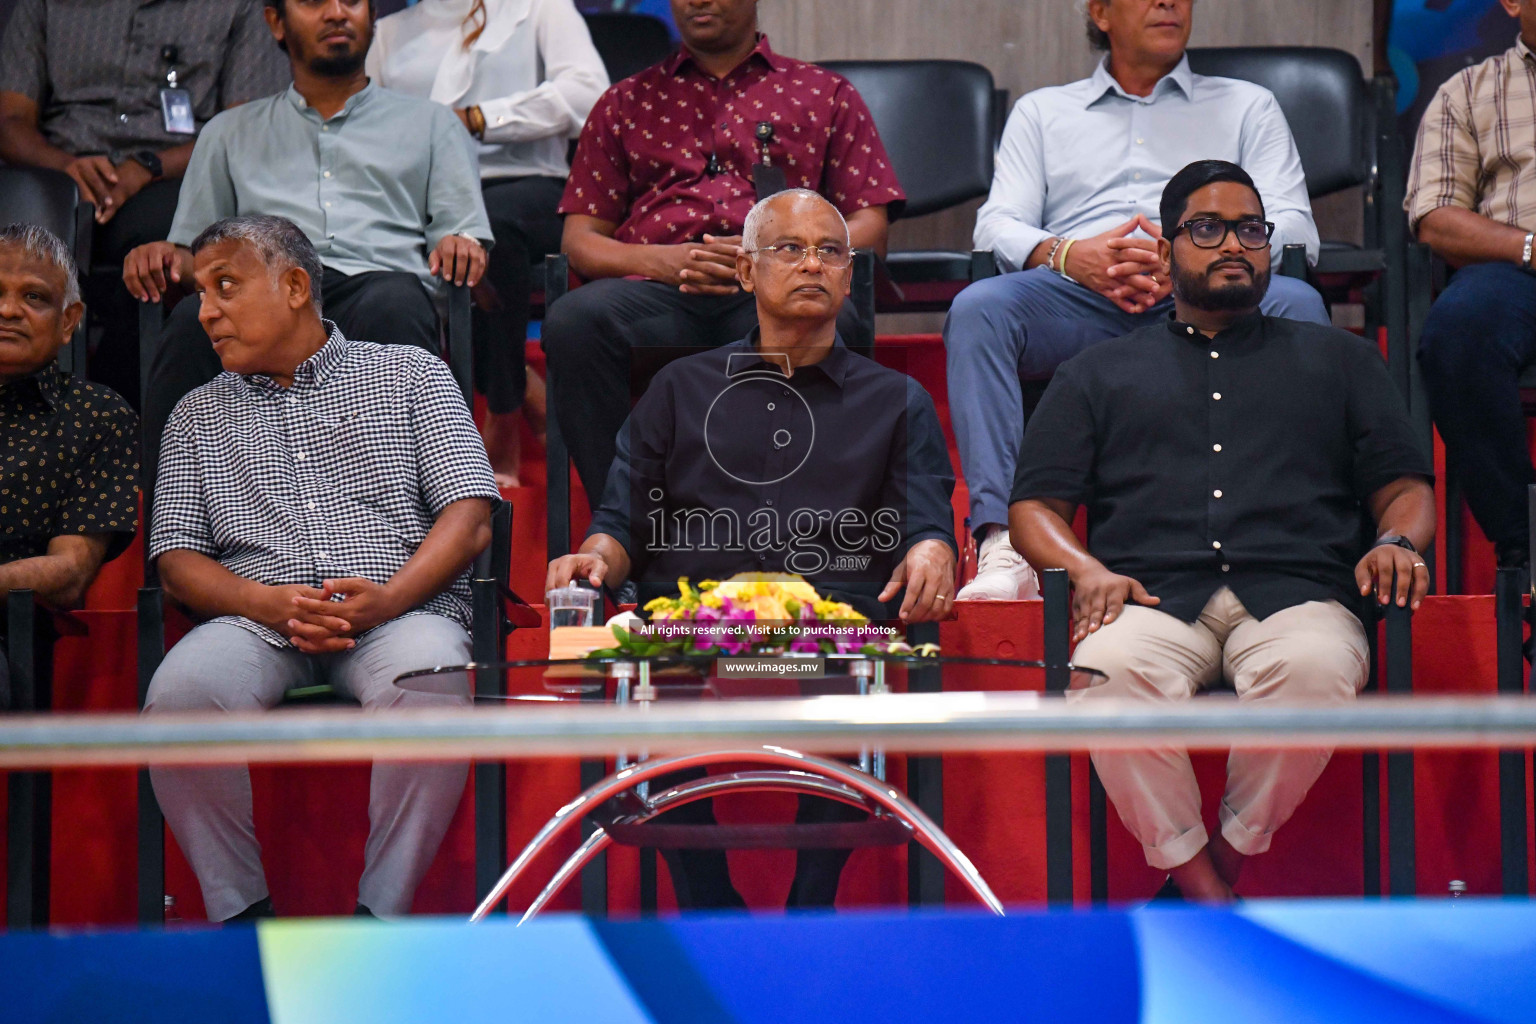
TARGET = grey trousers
(220,666)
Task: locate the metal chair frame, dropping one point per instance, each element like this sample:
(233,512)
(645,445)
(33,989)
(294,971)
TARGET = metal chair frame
(785,771)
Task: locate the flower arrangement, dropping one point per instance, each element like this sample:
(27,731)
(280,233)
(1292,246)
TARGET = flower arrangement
(754,613)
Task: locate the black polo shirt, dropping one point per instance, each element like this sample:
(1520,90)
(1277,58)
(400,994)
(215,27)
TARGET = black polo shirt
(727,465)
(1242,460)
(69,460)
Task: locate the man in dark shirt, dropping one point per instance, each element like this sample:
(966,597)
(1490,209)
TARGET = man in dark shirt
(67,454)
(113,93)
(664,174)
(1225,458)
(781,453)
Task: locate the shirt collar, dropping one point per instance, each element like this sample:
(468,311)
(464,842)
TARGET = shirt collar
(313,371)
(46,385)
(1243,328)
(675,63)
(834,366)
(1102,81)
(1523,51)
(354,101)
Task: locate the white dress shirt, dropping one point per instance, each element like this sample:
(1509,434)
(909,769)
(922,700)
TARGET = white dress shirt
(533,72)
(1079,159)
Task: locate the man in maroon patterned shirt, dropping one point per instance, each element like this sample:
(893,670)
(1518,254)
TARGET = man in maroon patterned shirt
(660,186)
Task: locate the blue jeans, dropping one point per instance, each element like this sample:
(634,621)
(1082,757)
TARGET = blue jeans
(1479,334)
(1021,326)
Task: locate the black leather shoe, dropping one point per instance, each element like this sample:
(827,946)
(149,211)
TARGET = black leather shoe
(1169,893)
(255,912)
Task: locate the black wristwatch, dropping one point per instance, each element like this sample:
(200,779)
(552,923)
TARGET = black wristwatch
(1396,539)
(150,161)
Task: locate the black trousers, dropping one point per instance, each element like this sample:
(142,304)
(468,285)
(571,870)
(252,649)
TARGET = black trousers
(143,219)
(702,880)
(606,340)
(526,228)
(389,307)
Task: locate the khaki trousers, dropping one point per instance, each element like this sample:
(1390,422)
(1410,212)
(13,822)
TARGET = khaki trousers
(1307,654)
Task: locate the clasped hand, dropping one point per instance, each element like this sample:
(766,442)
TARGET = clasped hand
(316,623)
(1126,270)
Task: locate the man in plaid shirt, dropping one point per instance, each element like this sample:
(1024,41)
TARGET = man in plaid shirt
(318,505)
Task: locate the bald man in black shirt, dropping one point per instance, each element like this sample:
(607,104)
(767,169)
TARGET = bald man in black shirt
(782,452)
(1225,459)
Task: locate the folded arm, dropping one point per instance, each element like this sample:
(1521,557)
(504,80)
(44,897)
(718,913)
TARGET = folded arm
(61,577)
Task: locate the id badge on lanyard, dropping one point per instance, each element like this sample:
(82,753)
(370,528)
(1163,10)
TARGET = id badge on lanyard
(767,179)
(175,102)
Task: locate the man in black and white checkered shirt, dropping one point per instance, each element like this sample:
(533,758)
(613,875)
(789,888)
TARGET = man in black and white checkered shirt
(318,505)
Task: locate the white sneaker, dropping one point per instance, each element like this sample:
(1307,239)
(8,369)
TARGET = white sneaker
(1001,573)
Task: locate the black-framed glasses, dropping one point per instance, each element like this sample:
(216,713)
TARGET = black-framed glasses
(1210,232)
(792,254)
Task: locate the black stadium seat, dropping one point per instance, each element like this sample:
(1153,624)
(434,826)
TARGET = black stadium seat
(629,43)
(938,120)
(49,199)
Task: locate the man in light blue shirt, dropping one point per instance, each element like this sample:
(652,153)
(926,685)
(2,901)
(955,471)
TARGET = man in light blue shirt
(385,187)
(1074,213)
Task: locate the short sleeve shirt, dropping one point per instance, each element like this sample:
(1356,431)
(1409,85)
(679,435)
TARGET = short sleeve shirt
(95,69)
(1243,460)
(69,462)
(643,161)
(341,474)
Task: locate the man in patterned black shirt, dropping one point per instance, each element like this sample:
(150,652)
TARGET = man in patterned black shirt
(68,460)
(318,505)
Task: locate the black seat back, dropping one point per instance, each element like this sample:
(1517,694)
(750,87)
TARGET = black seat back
(1325,100)
(49,199)
(936,119)
(629,43)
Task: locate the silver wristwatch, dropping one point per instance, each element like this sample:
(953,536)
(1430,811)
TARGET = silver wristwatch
(1525,253)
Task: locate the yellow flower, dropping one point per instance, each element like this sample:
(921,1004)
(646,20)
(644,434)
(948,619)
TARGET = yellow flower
(711,600)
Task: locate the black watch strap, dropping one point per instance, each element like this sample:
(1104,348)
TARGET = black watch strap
(1396,539)
(149,160)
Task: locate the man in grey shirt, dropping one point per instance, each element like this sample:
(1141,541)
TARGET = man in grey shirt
(112,93)
(385,187)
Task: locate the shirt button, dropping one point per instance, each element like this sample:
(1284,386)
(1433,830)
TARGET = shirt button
(1214,353)
(122,118)
(1139,141)
(1189,330)
(768,502)
(325,127)
(1137,176)
(771,407)
(321,554)
(1216,395)
(1217,493)
(309,504)
(1216,544)
(1215,447)
(299,456)
(328,206)
(1226,568)
(327,174)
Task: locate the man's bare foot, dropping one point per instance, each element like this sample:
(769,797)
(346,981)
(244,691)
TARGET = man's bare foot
(504,446)
(1199,881)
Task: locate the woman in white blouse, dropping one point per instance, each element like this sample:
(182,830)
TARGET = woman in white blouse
(522,75)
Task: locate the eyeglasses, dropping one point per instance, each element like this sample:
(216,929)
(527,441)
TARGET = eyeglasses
(1211,232)
(792,254)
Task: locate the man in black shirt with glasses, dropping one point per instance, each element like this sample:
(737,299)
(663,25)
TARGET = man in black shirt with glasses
(1225,458)
(780,453)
